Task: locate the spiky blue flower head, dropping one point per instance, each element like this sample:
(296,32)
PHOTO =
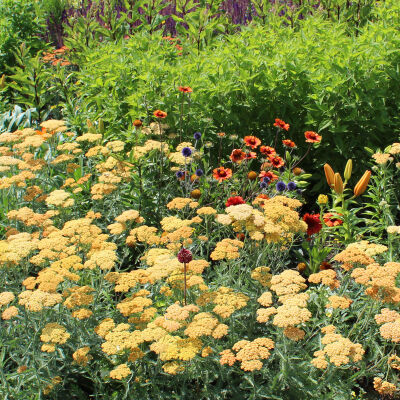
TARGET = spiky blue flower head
(197,135)
(292,186)
(280,186)
(186,151)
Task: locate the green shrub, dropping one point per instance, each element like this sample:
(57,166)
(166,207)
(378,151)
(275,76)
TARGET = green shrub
(317,78)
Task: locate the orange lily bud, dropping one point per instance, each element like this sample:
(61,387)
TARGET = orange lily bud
(338,183)
(329,174)
(362,184)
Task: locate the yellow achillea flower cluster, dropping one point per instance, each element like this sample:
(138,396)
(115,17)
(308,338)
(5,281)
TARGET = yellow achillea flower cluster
(170,347)
(293,311)
(382,158)
(53,334)
(9,313)
(390,321)
(394,362)
(179,203)
(339,302)
(149,145)
(36,300)
(384,388)
(393,230)
(204,324)
(124,281)
(78,296)
(370,249)
(104,259)
(81,356)
(136,303)
(277,222)
(29,218)
(380,281)
(173,367)
(337,349)
(54,125)
(326,277)
(226,301)
(395,148)
(60,198)
(227,249)
(118,338)
(99,190)
(89,137)
(143,234)
(262,275)
(55,381)
(17,247)
(6,298)
(353,255)
(120,372)
(206,211)
(172,223)
(248,353)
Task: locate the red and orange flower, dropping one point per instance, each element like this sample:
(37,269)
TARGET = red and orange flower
(237,155)
(160,114)
(185,89)
(221,173)
(268,174)
(252,141)
(234,201)
(277,162)
(288,143)
(251,155)
(313,223)
(267,151)
(281,124)
(331,219)
(312,137)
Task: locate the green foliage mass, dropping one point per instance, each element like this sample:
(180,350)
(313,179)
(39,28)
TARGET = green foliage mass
(315,78)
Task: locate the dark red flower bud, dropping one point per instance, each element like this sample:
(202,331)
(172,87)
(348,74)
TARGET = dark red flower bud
(185,256)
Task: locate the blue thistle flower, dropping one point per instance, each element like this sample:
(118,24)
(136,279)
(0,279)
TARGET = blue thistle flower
(197,135)
(280,186)
(186,151)
(292,185)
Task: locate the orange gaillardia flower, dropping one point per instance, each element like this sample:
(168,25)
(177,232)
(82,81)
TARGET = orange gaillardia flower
(267,151)
(160,114)
(277,162)
(251,155)
(137,123)
(185,89)
(331,219)
(312,137)
(221,134)
(252,141)
(221,173)
(281,124)
(268,174)
(237,155)
(288,143)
